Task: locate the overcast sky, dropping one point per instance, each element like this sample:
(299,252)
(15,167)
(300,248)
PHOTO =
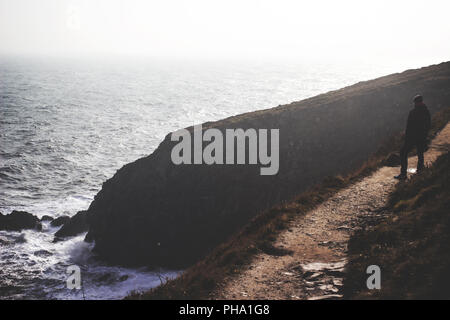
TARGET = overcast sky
(416,31)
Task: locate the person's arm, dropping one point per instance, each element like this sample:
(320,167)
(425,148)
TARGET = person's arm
(408,125)
(427,122)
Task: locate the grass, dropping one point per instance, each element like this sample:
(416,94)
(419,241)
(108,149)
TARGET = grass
(229,258)
(412,247)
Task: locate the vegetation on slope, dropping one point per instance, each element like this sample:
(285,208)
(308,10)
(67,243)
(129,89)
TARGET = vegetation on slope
(198,281)
(412,247)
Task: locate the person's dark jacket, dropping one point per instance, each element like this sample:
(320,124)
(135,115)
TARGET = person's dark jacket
(419,123)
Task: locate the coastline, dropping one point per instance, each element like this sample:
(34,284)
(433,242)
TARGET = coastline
(173,215)
(242,200)
(234,260)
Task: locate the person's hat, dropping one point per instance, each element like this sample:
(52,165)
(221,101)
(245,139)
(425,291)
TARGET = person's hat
(418,98)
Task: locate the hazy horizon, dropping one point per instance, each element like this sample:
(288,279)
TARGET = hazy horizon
(408,33)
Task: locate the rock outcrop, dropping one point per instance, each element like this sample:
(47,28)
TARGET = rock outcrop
(72,226)
(154,212)
(60,221)
(46,218)
(392,160)
(19,220)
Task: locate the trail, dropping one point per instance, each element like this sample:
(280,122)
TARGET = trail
(318,241)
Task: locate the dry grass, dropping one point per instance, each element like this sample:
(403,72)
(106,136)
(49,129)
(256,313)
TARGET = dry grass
(412,248)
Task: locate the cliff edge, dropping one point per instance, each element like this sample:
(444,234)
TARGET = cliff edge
(154,212)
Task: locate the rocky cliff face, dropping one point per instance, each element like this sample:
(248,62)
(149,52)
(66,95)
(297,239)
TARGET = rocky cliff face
(156,213)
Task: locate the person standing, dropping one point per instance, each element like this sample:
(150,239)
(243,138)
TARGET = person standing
(417,127)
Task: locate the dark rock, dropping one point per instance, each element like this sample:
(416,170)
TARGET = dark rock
(43,253)
(19,220)
(392,160)
(153,212)
(74,226)
(60,221)
(46,218)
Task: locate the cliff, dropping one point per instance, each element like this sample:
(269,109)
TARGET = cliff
(154,212)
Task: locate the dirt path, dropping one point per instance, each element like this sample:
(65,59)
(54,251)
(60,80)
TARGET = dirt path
(318,241)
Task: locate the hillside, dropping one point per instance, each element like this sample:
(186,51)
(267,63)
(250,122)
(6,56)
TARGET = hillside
(153,212)
(412,247)
(299,250)
(318,243)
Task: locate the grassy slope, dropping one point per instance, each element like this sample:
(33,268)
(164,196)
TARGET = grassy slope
(412,247)
(229,258)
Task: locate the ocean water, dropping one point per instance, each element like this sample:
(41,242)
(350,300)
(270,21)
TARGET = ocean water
(67,125)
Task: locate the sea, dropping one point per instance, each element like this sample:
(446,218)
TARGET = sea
(68,124)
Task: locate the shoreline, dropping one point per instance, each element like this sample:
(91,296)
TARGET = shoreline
(281,116)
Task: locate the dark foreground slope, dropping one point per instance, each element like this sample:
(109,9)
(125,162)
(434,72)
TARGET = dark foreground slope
(412,247)
(156,213)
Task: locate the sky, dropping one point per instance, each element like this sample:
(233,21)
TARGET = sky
(394,30)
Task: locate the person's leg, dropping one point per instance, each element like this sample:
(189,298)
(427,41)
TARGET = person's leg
(404,158)
(420,160)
